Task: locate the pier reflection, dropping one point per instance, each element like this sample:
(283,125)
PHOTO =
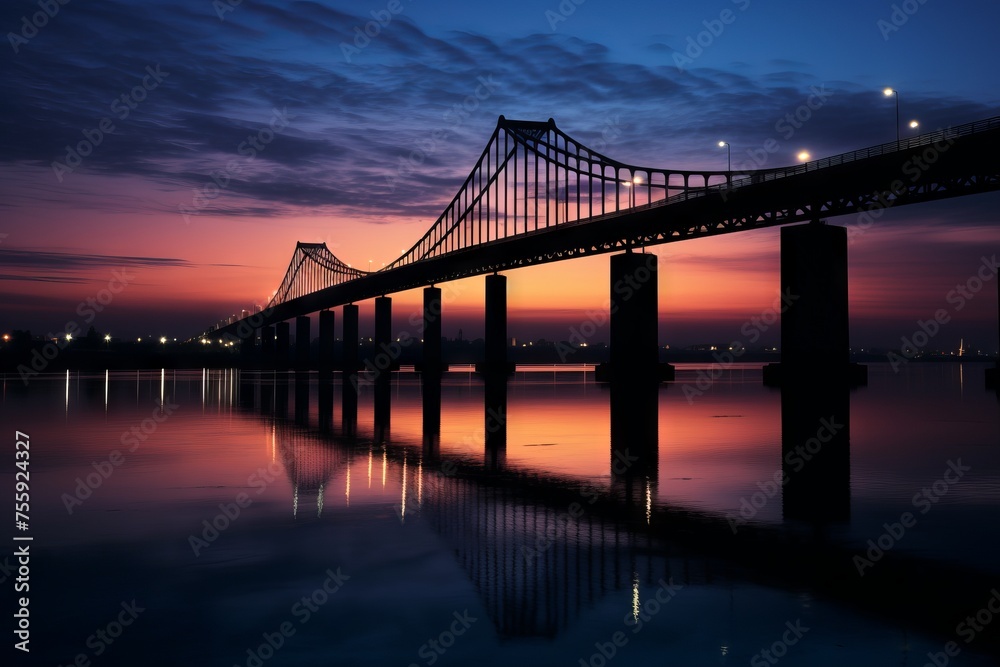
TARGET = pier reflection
(542,548)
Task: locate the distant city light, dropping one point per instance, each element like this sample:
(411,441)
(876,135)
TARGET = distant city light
(163,339)
(6,337)
(69,337)
(107,338)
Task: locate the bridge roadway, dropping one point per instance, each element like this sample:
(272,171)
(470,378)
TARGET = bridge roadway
(958,161)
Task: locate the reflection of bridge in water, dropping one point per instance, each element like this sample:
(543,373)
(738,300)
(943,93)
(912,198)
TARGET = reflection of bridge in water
(542,549)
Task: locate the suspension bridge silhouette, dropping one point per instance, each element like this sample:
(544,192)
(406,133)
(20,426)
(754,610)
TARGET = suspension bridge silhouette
(535,195)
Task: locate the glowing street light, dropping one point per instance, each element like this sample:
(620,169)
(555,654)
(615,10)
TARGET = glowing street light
(895,93)
(729,150)
(804,156)
(163,340)
(107,340)
(914,124)
(69,337)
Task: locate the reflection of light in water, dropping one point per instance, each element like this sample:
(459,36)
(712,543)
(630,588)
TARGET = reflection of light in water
(107,378)
(67,390)
(385,464)
(203,371)
(347,488)
(420,482)
(319,501)
(295,501)
(402,510)
(961,381)
(724,650)
(635,596)
(274,443)
(163,379)
(369,466)
(649,501)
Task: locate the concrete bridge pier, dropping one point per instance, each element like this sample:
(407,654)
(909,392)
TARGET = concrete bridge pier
(248,352)
(815,342)
(327,339)
(267,352)
(635,354)
(349,362)
(432,360)
(385,357)
(496,328)
(303,341)
(282,338)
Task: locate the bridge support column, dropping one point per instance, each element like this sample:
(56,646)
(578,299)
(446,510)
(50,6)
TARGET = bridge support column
(432,360)
(635,354)
(350,348)
(349,368)
(303,339)
(267,347)
(496,328)
(814,317)
(385,357)
(282,335)
(327,338)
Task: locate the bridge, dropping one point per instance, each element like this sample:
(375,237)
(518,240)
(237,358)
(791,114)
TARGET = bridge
(536,195)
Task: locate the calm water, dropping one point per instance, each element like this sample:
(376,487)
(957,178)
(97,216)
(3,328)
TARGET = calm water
(455,536)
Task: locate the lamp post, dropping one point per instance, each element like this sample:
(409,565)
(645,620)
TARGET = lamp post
(895,93)
(729,161)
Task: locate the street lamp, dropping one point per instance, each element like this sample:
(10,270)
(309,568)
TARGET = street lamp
(895,93)
(914,124)
(804,157)
(729,148)
(369,266)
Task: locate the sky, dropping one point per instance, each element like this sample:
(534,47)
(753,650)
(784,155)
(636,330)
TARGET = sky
(295,123)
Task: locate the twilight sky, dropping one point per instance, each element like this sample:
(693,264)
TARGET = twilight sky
(303,125)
